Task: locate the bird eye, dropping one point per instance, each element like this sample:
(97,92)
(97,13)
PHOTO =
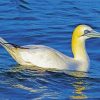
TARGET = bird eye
(87,31)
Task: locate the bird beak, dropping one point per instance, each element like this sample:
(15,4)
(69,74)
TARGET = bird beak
(93,34)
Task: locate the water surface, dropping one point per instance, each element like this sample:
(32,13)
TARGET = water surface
(48,22)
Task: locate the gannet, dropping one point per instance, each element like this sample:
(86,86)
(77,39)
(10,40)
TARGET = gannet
(46,57)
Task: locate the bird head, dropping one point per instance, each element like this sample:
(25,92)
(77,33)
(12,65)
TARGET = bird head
(85,32)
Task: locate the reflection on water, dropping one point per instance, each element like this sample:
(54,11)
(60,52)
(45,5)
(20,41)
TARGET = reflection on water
(26,88)
(78,84)
(79,88)
(42,83)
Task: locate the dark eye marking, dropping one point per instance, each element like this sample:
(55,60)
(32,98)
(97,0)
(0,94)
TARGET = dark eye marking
(87,31)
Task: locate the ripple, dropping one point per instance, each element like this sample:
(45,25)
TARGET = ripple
(20,18)
(24,7)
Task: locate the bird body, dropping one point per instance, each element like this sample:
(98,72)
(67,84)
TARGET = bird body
(46,57)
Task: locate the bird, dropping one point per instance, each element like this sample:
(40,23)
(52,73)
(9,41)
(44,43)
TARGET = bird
(46,57)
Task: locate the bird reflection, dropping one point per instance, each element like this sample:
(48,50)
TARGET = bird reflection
(18,68)
(79,85)
(78,81)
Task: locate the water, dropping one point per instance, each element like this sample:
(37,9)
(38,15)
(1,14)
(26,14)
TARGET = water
(48,22)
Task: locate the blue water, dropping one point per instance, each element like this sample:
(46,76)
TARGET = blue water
(48,22)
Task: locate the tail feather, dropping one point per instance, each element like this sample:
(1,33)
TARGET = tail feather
(7,45)
(4,43)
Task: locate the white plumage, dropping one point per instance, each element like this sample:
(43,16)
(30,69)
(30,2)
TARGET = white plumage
(45,57)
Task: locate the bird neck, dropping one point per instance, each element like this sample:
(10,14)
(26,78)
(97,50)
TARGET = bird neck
(78,49)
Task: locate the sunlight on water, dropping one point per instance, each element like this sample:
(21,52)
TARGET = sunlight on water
(78,92)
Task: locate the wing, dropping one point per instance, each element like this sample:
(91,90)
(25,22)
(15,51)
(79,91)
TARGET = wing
(44,56)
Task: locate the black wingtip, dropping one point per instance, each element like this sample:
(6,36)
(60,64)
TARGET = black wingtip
(16,46)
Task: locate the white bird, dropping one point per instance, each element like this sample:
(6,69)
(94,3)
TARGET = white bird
(46,57)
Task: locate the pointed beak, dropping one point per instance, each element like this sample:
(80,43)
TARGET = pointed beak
(93,34)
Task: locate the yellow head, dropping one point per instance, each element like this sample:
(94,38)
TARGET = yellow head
(85,32)
(80,34)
